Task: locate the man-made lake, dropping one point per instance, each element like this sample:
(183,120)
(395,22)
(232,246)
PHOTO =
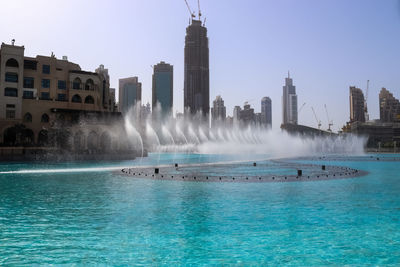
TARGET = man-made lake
(87,213)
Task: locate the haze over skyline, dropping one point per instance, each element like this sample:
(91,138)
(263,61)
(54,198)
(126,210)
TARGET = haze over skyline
(327,46)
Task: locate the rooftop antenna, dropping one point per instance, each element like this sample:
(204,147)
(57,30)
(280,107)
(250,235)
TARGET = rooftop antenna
(198,3)
(192,15)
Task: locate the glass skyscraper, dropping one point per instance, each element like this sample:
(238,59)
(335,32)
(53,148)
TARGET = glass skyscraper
(289,102)
(162,89)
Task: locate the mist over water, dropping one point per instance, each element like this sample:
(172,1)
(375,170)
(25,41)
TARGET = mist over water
(192,135)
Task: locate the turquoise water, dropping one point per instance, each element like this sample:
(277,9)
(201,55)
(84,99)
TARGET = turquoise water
(99,217)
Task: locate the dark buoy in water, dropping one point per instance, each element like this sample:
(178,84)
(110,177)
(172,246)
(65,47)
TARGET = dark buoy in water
(323,167)
(156,170)
(299,172)
(254,164)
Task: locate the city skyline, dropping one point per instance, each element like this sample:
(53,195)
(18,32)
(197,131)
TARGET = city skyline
(365,48)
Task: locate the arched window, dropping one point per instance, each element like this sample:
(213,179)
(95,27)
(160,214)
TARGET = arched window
(12,63)
(28,117)
(89,85)
(76,84)
(45,118)
(92,140)
(43,137)
(10,136)
(89,100)
(76,99)
(105,141)
(78,141)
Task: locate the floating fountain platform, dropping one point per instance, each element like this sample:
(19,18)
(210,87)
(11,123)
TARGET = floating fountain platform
(252,172)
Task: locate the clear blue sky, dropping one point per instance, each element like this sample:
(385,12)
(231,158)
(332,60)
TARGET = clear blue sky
(327,46)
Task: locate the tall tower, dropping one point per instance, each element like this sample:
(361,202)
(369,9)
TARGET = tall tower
(266,112)
(289,102)
(218,111)
(356,104)
(162,89)
(196,80)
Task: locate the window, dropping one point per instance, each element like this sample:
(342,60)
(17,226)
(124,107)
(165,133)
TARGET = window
(45,96)
(46,69)
(30,64)
(27,95)
(61,97)
(45,83)
(62,85)
(10,111)
(89,85)
(29,82)
(76,99)
(12,63)
(11,92)
(89,100)
(11,77)
(28,117)
(76,84)
(45,118)
(10,114)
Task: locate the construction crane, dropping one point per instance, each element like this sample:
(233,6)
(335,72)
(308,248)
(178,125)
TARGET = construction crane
(366,115)
(316,118)
(192,15)
(330,123)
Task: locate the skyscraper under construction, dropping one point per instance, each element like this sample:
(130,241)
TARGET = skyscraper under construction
(196,80)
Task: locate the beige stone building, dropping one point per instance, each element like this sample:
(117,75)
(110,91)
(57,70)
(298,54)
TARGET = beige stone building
(40,93)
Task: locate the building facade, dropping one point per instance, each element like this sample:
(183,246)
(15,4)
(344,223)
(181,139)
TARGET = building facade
(196,75)
(266,112)
(356,105)
(389,107)
(41,93)
(162,88)
(247,115)
(130,93)
(289,102)
(218,111)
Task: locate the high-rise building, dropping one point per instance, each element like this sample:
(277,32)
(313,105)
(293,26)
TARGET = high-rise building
(196,76)
(218,111)
(130,92)
(247,115)
(162,89)
(236,114)
(389,107)
(356,105)
(266,112)
(289,102)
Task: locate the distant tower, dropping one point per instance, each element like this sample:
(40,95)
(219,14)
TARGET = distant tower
(162,91)
(389,107)
(356,105)
(218,111)
(289,102)
(266,112)
(196,76)
(130,92)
